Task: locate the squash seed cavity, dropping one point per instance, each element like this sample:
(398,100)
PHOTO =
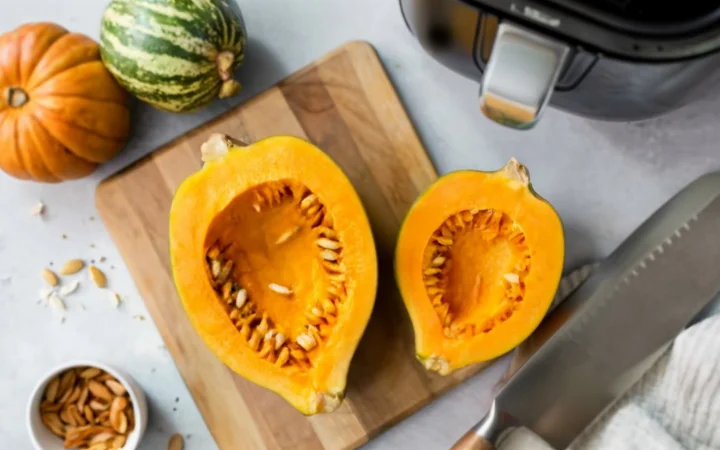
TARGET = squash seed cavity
(474,269)
(276,264)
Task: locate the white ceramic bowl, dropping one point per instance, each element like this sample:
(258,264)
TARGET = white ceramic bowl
(44,439)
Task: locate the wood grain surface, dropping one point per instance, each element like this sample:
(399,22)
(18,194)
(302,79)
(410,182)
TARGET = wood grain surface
(346,105)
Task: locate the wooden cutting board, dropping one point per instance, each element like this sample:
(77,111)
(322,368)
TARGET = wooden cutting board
(346,105)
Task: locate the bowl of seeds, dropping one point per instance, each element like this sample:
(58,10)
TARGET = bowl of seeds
(86,405)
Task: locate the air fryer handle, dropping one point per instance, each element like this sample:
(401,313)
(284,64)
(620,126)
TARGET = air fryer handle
(520,76)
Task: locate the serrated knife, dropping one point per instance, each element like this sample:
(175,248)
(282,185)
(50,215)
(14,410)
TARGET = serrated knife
(621,320)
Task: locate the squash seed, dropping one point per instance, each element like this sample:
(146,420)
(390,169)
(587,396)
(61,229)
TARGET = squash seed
(98,277)
(114,298)
(88,412)
(215,268)
(97,405)
(307,201)
(116,387)
(56,302)
(83,398)
(72,267)
(213,253)
(432,281)
(52,389)
(50,277)
(512,278)
(279,340)
(269,335)
(69,288)
(53,422)
(226,290)
(225,271)
(279,289)
(38,209)
(327,232)
(329,255)
(438,261)
(90,372)
(306,341)
(100,438)
(312,318)
(329,306)
(240,298)
(74,395)
(314,332)
(312,210)
(287,235)
(328,244)
(176,442)
(100,391)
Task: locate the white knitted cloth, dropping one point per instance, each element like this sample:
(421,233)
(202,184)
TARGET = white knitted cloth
(674,406)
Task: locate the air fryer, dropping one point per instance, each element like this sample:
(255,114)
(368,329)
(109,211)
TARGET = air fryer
(619,60)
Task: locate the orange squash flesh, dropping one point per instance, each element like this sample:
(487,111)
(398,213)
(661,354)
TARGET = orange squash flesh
(266,213)
(478,261)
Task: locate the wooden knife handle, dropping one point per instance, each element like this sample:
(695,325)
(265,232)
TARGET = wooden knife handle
(472,441)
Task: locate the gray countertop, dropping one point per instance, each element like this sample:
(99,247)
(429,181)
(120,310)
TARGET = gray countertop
(603,178)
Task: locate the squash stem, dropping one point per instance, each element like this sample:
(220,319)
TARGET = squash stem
(16,97)
(516,171)
(229,88)
(224,61)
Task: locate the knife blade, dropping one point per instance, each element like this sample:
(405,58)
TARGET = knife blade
(621,321)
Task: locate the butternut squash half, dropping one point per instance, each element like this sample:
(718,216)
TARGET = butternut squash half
(275,264)
(478,261)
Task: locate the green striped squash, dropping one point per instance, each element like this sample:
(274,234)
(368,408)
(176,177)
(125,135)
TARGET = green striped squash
(177,55)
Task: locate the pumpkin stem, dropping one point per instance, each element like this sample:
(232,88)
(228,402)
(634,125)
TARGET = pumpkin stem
(516,171)
(16,97)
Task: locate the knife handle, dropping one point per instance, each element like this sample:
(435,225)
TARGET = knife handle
(473,441)
(516,438)
(484,435)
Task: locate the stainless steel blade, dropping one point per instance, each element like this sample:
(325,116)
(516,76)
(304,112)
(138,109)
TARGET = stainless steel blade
(623,318)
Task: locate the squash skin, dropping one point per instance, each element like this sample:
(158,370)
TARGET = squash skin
(206,193)
(69,113)
(509,191)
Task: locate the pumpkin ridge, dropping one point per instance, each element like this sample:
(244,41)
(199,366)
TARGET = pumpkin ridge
(61,31)
(38,171)
(80,166)
(63,141)
(82,97)
(52,79)
(19,157)
(89,57)
(76,126)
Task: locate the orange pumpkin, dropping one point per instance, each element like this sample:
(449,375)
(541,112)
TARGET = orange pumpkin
(61,112)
